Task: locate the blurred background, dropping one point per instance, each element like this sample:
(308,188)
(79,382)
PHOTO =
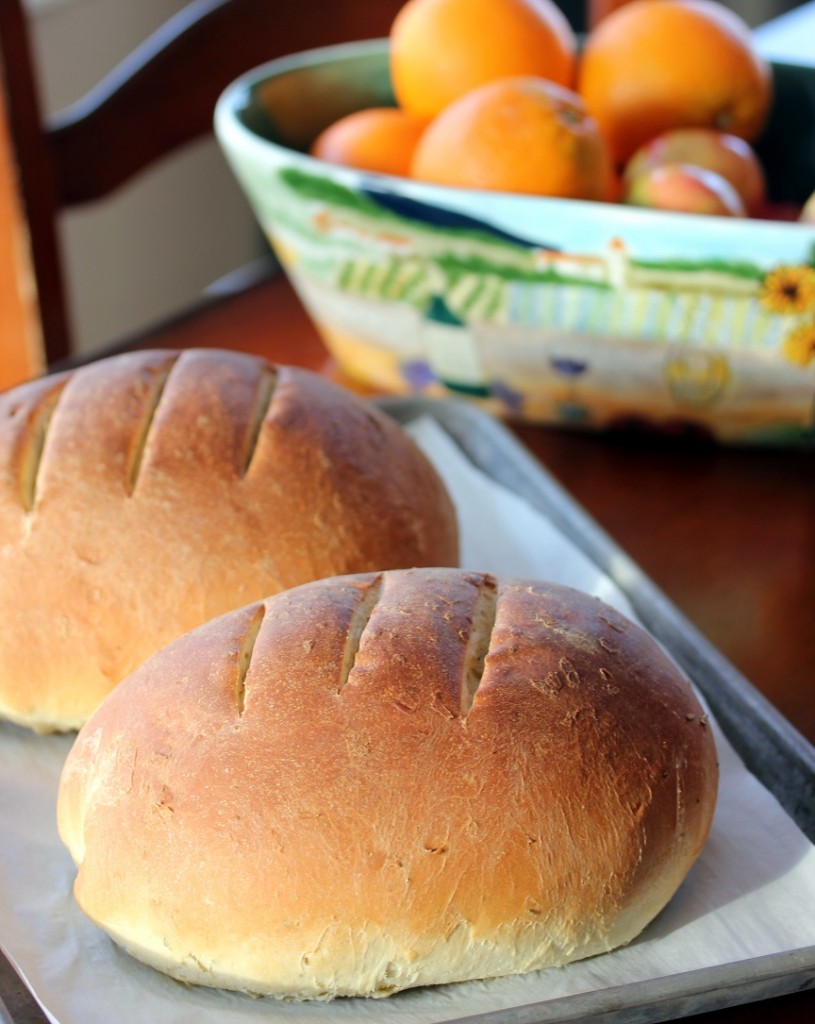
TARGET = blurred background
(76,42)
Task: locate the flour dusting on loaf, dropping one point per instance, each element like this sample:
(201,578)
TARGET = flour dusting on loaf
(381,781)
(146,493)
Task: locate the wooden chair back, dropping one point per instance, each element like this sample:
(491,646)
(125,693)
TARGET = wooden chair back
(160,98)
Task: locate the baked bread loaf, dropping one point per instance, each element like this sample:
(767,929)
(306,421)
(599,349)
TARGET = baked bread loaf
(144,494)
(387,780)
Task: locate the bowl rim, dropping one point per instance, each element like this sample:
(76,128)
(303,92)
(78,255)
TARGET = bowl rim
(253,76)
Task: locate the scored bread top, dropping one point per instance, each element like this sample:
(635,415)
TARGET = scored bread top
(389,780)
(144,494)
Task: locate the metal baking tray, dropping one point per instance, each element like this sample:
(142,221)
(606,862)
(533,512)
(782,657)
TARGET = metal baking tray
(768,744)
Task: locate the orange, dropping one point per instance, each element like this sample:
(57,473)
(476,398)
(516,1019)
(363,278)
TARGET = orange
(441,49)
(376,139)
(654,65)
(520,134)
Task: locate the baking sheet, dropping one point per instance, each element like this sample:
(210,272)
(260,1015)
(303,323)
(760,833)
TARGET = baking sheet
(742,926)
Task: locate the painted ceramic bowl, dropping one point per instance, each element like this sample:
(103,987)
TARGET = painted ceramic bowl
(546,310)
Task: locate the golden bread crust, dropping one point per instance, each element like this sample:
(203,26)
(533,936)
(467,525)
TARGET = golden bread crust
(144,494)
(381,781)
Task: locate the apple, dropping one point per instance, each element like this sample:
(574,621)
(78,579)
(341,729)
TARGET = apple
(684,188)
(727,155)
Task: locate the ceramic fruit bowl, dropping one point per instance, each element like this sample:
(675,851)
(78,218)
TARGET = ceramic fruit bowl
(546,310)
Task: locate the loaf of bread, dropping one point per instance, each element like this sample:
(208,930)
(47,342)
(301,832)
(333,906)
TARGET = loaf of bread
(144,494)
(387,780)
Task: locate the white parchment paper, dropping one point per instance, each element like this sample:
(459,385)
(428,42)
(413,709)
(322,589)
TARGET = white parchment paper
(751,893)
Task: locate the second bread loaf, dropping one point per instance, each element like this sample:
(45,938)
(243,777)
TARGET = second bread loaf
(144,494)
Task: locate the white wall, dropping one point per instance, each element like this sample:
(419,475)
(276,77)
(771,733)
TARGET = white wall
(146,252)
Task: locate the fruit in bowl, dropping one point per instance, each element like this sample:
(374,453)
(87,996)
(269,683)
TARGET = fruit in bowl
(727,155)
(520,134)
(489,81)
(683,188)
(654,65)
(493,94)
(541,307)
(380,139)
(440,49)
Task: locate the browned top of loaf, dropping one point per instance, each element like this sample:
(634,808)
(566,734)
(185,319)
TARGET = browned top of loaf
(390,780)
(144,494)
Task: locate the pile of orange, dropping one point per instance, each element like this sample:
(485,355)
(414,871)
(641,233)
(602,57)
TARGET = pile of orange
(494,94)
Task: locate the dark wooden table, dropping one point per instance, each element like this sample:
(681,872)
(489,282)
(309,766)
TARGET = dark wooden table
(728,535)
